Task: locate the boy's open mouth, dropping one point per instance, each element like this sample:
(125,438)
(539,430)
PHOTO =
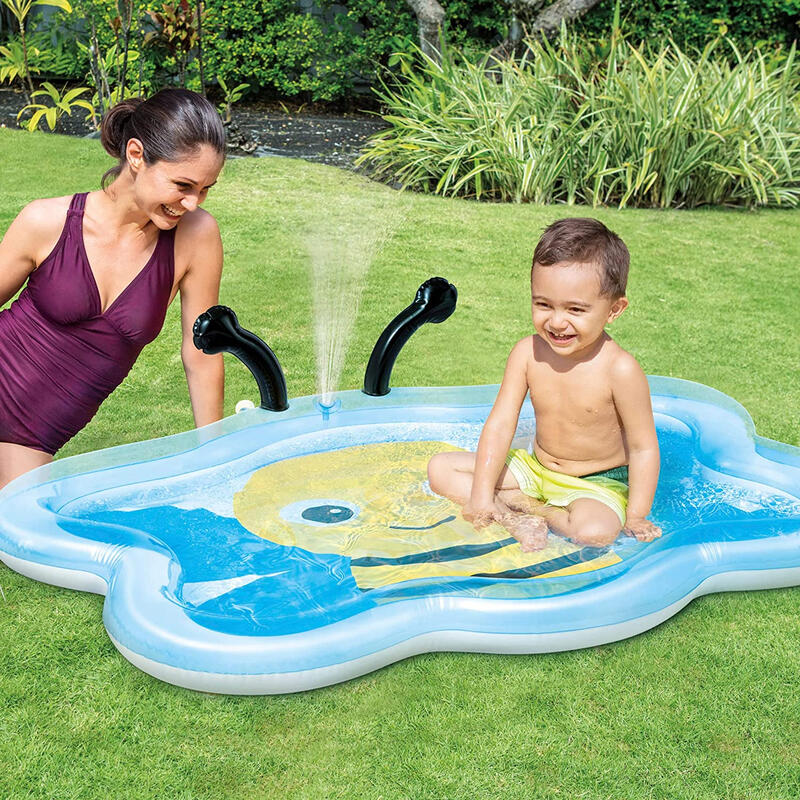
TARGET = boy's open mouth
(560,338)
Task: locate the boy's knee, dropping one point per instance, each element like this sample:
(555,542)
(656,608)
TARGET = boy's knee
(599,534)
(437,468)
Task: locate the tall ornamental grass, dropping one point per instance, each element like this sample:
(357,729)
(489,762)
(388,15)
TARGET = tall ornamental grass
(646,127)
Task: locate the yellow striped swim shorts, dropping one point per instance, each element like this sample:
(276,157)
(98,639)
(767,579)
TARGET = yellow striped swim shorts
(555,489)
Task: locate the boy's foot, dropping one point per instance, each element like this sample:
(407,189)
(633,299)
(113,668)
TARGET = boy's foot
(519,501)
(530,531)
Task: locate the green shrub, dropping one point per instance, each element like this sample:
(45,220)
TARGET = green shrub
(691,23)
(53,49)
(270,44)
(646,127)
(273,45)
(277,48)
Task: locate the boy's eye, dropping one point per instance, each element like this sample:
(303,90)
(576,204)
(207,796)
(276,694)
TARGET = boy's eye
(577,310)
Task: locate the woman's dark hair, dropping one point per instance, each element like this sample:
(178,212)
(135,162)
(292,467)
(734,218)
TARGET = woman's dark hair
(171,124)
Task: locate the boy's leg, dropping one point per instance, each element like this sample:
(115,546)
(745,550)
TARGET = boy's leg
(585,521)
(450,475)
(517,500)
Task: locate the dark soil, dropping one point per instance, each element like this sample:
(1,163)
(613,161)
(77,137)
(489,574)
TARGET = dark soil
(258,129)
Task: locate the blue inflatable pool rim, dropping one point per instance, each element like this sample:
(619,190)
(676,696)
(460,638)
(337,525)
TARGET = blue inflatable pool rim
(287,620)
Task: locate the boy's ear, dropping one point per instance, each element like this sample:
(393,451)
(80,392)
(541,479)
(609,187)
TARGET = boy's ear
(620,304)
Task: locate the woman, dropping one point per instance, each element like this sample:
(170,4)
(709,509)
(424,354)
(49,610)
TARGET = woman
(100,270)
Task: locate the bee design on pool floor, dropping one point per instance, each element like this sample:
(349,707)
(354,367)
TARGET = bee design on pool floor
(372,505)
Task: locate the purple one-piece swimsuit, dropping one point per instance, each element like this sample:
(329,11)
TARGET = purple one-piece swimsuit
(61,355)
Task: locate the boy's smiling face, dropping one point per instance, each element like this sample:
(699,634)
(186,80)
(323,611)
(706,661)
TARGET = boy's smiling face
(569,311)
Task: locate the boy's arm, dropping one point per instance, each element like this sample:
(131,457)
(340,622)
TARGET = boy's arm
(632,400)
(497,434)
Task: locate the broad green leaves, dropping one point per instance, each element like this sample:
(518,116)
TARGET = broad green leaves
(60,104)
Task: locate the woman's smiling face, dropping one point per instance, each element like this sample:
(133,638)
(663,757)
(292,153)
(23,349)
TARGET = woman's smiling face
(166,190)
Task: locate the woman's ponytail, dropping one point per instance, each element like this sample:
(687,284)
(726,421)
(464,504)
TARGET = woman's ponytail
(113,129)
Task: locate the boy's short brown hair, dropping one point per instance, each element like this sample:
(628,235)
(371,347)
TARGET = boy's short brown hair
(583,240)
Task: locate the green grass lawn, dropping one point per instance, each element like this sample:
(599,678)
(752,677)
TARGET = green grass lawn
(704,706)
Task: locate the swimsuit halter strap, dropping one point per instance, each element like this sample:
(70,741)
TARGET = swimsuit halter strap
(78,203)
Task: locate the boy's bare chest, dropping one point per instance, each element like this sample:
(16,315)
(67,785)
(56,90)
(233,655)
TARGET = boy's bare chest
(582,397)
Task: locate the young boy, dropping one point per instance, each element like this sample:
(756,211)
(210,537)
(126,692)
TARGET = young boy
(594,420)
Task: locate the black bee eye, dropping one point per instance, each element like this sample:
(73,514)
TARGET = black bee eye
(320,512)
(327,514)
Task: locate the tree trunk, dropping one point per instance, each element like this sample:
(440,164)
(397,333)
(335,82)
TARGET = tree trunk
(547,23)
(200,45)
(29,93)
(430,16)
(126,18)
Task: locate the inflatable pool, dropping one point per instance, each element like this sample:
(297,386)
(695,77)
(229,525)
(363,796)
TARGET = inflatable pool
(280,552)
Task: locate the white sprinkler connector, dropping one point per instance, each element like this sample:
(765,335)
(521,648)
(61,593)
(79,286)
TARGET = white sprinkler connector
(244,405)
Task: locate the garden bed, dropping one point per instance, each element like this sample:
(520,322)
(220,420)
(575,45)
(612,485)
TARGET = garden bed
(258,129)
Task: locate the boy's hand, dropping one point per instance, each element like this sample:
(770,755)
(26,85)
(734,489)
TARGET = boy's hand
(641,529)
(480,517)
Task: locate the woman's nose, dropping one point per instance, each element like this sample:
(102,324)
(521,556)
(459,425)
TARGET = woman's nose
(190,202)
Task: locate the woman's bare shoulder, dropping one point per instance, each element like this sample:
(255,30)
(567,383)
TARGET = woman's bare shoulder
(198,223)
(45,215)
(46,207)
(197,243)
(36,229)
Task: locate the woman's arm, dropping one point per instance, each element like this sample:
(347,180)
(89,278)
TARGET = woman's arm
(19,248)
(199,290)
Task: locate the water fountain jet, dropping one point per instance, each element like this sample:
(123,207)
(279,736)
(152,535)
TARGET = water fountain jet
(434,302)
(217,330)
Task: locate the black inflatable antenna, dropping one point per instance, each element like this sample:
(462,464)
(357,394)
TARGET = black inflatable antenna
(218,331)
(435,301)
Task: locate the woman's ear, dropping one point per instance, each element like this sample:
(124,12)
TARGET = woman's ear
(134,154)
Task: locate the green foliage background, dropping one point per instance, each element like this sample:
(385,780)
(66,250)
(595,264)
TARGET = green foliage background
(647,126)
(331,55)
(691,23)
